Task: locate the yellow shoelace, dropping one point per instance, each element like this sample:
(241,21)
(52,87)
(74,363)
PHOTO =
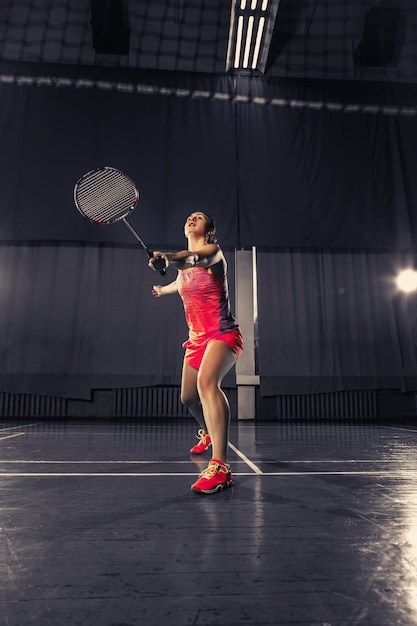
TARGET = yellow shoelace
(202,436)
(212,469)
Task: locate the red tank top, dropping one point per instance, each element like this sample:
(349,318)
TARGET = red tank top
(206,302)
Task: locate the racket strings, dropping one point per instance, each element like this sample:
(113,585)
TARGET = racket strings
(114,200)
(106,196)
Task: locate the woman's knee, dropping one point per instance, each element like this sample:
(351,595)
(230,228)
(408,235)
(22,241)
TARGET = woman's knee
(189,400)
(206,384)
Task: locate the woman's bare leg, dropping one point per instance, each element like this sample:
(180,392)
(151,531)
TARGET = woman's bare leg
(189,394)
(217,361)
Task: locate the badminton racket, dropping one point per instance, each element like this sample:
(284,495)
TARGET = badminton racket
(105,196)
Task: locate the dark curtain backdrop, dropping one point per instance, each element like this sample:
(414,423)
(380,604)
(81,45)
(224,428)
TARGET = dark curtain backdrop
(322,177)
(334,320)
(304,173)
(82,317)
(318,175)
(180,152)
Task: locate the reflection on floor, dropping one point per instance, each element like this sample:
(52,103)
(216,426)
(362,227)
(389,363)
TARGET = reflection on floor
(99,525)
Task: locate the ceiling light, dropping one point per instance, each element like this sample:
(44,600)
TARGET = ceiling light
(251,27)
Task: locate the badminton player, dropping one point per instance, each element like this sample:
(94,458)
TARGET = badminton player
(214,343)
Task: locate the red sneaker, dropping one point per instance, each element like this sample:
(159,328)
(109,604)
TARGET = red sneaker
(215,477)
(203,444)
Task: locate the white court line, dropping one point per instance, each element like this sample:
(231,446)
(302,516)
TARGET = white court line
(102,462)
(324,461)
(399,474)
(11,436)
(179,462)
(412,429)
(244,458)
(389,473)
(240,454)
(95,474)
(6,428)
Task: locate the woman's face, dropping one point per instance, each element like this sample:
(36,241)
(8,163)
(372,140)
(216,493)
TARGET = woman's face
(196,223)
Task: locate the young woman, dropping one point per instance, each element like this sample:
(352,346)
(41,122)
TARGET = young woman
(213,345)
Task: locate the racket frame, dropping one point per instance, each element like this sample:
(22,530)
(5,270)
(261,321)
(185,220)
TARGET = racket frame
(112,216)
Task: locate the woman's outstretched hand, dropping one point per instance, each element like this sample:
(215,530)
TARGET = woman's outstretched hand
(157,291)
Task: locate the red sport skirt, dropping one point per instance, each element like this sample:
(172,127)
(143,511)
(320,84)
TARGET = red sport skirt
(194,350)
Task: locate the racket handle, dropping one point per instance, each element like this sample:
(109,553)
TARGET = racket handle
(144,246)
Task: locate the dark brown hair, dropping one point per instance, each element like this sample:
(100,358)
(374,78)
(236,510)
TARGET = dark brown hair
(210,228)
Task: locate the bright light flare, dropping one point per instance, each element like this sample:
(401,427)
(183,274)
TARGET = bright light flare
(407,280)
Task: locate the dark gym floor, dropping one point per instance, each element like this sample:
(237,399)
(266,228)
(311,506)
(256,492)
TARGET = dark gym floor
(99,525)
